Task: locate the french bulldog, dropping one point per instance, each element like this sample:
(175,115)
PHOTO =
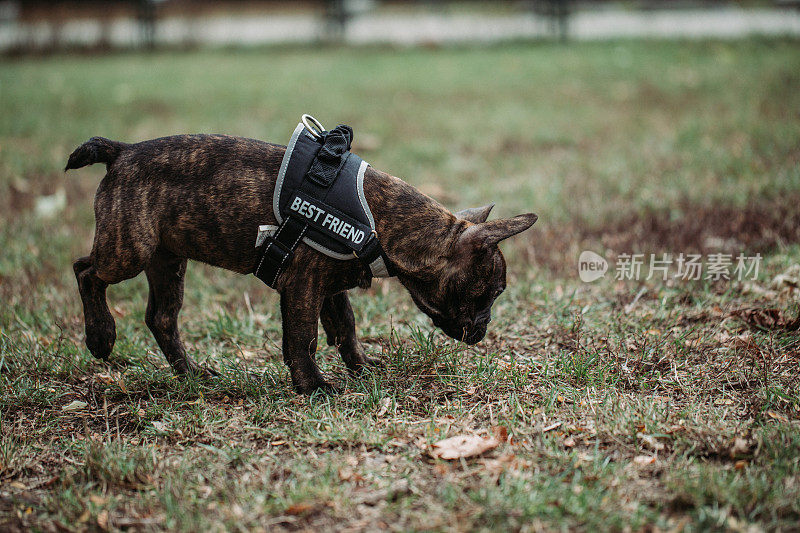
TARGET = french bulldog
(202,197)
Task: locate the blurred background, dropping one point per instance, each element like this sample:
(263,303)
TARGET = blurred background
(40,25)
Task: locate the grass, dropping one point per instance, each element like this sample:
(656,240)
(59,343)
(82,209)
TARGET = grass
(629,404)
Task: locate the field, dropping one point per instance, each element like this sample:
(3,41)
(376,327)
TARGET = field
(620,404)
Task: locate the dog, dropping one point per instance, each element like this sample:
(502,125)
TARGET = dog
(202,197)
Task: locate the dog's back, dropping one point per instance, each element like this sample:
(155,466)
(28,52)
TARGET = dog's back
(179,194)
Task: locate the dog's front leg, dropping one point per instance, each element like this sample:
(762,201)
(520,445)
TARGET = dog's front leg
(340,328)
(300,308)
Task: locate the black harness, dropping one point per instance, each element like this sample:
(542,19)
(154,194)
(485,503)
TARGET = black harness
(319,200)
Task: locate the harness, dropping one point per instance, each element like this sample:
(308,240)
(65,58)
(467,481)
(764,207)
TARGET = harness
(319,200)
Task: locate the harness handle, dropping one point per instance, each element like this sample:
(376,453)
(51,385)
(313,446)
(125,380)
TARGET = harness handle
(313,126)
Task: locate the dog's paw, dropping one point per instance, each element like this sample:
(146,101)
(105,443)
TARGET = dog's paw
(189,368)
(320,387)
(365,365)
(374,362)
(100,339)
(202,372)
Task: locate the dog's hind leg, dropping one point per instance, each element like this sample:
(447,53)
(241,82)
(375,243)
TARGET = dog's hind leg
(101,332)
(340,328)
(165,275)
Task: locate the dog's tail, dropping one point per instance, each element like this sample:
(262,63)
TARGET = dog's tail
(95,150)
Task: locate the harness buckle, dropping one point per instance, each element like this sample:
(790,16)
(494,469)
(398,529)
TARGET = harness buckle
(374,235)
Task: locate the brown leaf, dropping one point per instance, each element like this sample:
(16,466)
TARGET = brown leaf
(345,474)
(98,500)
(643,460)
(762,318)
(741,447)
(102,520)
(299,508)
(463,446)
(777,416)
(500,433)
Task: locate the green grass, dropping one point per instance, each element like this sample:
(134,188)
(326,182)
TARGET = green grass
(630,405)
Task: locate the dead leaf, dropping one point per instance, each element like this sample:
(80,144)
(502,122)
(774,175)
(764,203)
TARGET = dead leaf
(299,508)
(97,500)
(643,460)
(102,520)
(551,427)
(440,469)
(345,474)
(75,405)
(651,442)
(761,318)
(788,279)
(385,403)
(569,442)
(500,433)
(744,340)
(777,416)
(741,447)
(463,446)
(740,465)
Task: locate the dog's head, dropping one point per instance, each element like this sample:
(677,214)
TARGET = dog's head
(471,276)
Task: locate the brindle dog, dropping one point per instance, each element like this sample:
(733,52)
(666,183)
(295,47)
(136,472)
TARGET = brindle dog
(202,197)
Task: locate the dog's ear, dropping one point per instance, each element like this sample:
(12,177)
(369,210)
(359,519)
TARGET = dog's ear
(476,215)
(494,231)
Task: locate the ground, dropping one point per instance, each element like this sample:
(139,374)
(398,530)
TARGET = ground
(617,405)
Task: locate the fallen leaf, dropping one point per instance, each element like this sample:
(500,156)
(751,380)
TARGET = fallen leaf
(500,433)
(97,499)
(740,465)
(102,520)
(75,405)
(651,442)
(551,427)
(744,340)
(298,508)
(740,447)
(788,279)
(777,416)
(569,442)
(643,460)
(463,446)
(385,403)
(767,318)
(345,474)
(440,469)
